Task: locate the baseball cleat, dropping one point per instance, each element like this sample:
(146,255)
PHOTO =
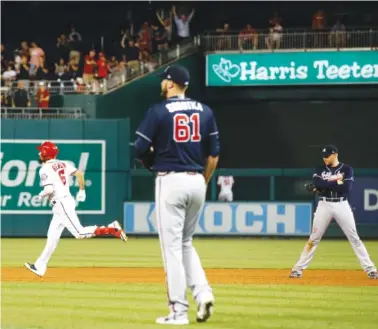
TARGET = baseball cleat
(373,275)
(173,319)
(205,309)
(295,274)
(33,269)
(121,232)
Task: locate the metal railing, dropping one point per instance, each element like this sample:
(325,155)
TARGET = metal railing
(38,113)
(305,41)
(56,87)
(159,59)
(303,29)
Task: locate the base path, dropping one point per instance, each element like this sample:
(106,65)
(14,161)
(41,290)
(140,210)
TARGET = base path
(216,276)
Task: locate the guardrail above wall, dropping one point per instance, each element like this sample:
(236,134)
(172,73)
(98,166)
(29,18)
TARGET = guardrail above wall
(271,173)
(38,113)
(297,41)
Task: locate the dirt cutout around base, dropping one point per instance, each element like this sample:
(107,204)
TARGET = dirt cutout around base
(350,278)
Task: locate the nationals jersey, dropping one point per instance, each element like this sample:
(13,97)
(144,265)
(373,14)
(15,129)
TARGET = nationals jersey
(56,173)
(225,183)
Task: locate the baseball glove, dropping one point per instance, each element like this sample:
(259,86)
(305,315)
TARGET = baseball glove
(310,188)
(148,158)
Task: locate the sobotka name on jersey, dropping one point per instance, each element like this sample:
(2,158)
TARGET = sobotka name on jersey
(184,106)
(15,173)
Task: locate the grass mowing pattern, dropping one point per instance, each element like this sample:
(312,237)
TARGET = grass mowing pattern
(42,305)
(215,253)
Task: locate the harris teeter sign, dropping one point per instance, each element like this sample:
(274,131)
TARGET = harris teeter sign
(283,69)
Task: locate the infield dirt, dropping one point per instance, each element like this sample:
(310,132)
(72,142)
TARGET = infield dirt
(215,276)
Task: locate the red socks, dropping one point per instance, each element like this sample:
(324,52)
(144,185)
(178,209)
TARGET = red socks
(103,230)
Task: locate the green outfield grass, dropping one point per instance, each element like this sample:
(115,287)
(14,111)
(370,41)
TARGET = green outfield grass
(46,305)
(215,253)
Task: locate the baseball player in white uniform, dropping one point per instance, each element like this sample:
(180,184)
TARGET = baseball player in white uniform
(54,175)
(225,183)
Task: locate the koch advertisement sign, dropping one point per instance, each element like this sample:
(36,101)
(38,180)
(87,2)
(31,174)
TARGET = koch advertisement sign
(20,182)
(245,218)
(300,68)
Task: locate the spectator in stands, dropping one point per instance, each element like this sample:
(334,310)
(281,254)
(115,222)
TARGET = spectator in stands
(318,26)
(337,37)
(125,37)
(75,47)
(118,71)
(6,56)
(167,24)
(273,40)
(7,98)
(102,67)
(80,85)
(21,97)
(182,24)
(248,38)
(42,96)
(24,51)
(149,62)
(73,71)
(90,66)
(23,72)
(17,60)
(62,46)
(61,68)
(159,38)
(113,62)
(145,40)
(3,63)
(42,71)
(9,75)
(224,40)
(35,54)
(74,35)
(133,56)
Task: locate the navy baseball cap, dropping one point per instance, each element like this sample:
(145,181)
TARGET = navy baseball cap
(329,150)
(177,74)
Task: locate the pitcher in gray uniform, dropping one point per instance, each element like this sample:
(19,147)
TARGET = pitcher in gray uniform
(334,182)
(178,140)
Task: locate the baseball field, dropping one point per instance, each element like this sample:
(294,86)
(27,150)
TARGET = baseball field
(104,283)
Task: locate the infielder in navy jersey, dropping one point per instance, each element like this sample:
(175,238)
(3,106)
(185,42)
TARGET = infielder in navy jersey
(178,139)
(333,182)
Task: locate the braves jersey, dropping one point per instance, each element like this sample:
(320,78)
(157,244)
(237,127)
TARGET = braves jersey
(226,183)
(183,133)
(57,173)
(333,189)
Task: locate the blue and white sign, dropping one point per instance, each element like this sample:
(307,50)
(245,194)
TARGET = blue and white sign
(250,218)
(364,200)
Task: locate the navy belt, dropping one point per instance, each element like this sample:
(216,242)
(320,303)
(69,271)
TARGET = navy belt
(333,199)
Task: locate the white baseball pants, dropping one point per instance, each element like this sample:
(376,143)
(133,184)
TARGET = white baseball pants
(64,216)
(179,201)
(343,215)
(225,196)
